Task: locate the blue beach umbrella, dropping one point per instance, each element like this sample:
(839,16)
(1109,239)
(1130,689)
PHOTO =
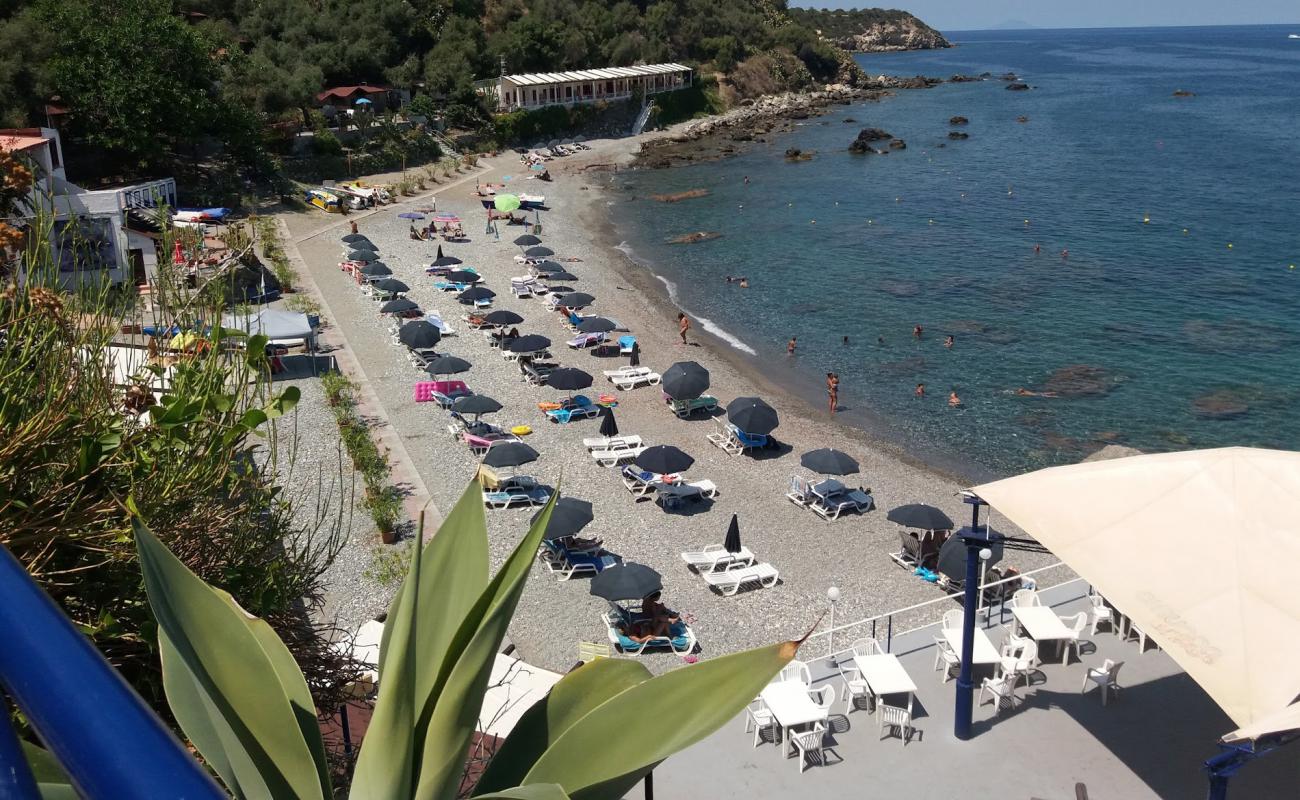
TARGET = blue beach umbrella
(411,215)
(362,102)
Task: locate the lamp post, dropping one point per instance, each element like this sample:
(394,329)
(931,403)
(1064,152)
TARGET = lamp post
(976,538)
(833,595)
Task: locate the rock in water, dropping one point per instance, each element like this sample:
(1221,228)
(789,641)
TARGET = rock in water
(1017,86)
(1220,404)
(958,121)
(865,137)
(897,144)
(693,238)
(1183,93)
(958,135)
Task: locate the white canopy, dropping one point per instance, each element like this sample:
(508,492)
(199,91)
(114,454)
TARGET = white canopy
(1199,549)
(275,324)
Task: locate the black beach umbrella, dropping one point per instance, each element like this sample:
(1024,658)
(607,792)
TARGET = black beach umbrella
(568,516)
(560,276)
(446,261)
(548,267)
(608,426)
(568,379)
(626,582)
(352,238)
(732,542)
(952,556)
(752,415)
(828,461)
(365,256)
(503,317)
(474,293)
(663,459)
(365,247)
(399,306)
(475,404)
(419,335)
(559,290)
(376,269)
(447,365)
(578,300)
(527,240)
(391,285)
(463,276)
(596,325)
(685,380)
(510,454)
(921,517)
(532,343)
(539,252)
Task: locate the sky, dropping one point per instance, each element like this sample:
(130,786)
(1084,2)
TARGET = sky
(956,15)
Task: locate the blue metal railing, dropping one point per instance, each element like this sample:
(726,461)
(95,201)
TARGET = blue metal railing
(106,738)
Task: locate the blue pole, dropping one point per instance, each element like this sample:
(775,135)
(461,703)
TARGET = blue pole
(16,780)
(109,742)
(961,721)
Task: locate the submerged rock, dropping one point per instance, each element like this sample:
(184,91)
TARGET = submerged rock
(795,154)
(958,135)
(1022,119)
(897,144)
(899,288)
(958,121)
(1236,335)
(677,197)
(692,238)
(1220,404)
(1113,451)
(1081,380)
(1183,93)
(1018,86)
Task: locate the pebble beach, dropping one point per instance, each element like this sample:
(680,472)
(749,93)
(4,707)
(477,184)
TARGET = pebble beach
(851,553)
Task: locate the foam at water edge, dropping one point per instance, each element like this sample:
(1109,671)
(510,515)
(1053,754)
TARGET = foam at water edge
(708,325)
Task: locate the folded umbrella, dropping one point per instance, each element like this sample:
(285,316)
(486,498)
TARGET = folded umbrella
(596,325)
(510,454)
(685,380)
(527,240)
(376,269)
(439,251)
(539,252)
(463,276)
(568,379)
(732,542)
(531,343)
(419,335)
(921,517)
(828,461)
(399,306)
(752,415)
(608,426)
(447,365)
(626,581)
(474,293)
(476,404)
(568,516)
(578,300)
(446,261)
(391,285)
(664,459)
(503,317)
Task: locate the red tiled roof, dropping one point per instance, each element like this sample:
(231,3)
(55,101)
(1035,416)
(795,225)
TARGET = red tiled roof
(16,140)
(348,91)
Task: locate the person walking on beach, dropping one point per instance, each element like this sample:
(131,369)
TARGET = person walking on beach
(920,390)
(833,390)
(953,399)
(791,345)
(354,226)
(634,358)
(683,325)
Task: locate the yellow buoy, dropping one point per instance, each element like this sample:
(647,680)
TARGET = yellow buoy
(1229,245)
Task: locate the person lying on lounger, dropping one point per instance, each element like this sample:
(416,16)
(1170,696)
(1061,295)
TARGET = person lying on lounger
(657,615)
(639,632)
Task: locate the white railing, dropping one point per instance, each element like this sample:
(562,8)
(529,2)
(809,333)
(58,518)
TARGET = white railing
(914,612)
(149,195)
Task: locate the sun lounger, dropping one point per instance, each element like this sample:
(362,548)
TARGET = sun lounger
(830,499)
(682,642)
(625,345)
(725,438)
(516,490)
(566,563)
(602,442)
(444,393)
(522,287)
(580,407)
(715,556)
(631,377)
(585,340)
(729,581)
(685,408)
(611,456)
(449,286)
(639,482)
(535,372)
(672,495)
(479,443)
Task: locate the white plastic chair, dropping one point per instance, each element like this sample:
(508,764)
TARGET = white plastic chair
(1024,598)
(809,743)
(760,718)
(823,697)
(853,688)
(1076,624)
(1106,676)
(867,647)
(1141,635)
(1020,656)
(953,618)
(946,656)
(796,671)
(1100,612)
(894,717)
(1003,689)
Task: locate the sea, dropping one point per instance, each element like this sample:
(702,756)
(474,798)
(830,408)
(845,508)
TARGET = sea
(1172,322)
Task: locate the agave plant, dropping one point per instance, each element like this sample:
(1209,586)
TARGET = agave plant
(242,701)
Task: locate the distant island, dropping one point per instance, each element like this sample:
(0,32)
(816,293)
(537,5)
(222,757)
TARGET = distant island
(870,30)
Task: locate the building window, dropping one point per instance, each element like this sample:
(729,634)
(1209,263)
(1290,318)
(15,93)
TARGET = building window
(85,244)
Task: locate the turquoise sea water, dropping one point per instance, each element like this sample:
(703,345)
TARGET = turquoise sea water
(1157,334)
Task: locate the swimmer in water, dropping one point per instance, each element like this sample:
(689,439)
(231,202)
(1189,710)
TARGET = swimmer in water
(917,330)
(791,345)
(1065,255)
(880,340)
(746,180)
(920,390)
(1023,392)
(953,399)
(1038,248)
(949,341)
(744,283)
(846,341)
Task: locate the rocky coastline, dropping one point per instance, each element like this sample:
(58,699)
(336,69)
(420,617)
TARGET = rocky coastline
(893,37)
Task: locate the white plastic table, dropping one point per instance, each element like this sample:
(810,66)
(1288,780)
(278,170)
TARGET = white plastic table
(983,653)
(790,704)
(884,675)
(1041,623)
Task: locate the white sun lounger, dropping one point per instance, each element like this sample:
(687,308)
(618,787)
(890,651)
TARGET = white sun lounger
(729,581)
(605,442)
(713,556)
(631,377)
(611,456)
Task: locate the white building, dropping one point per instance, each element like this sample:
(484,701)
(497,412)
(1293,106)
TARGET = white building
(539,89)
(104,233)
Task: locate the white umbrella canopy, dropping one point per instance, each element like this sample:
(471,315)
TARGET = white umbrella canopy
(1198,548)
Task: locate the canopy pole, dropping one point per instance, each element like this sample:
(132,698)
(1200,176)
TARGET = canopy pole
(965,682)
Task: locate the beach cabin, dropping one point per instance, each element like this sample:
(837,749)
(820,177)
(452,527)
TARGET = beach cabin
(540,89)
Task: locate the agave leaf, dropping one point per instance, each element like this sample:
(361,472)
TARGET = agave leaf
(537,791)
(239,699)
(386,765)
(53,783)
(571,699)
(671,712)
(452,576)
(450,715)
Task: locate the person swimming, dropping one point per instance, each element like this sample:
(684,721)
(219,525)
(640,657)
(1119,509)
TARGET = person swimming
(791,345)
(744,283)
(1038,248)
(920,390)
(949,341)
(953,399)
(1023,392)
(917,330)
